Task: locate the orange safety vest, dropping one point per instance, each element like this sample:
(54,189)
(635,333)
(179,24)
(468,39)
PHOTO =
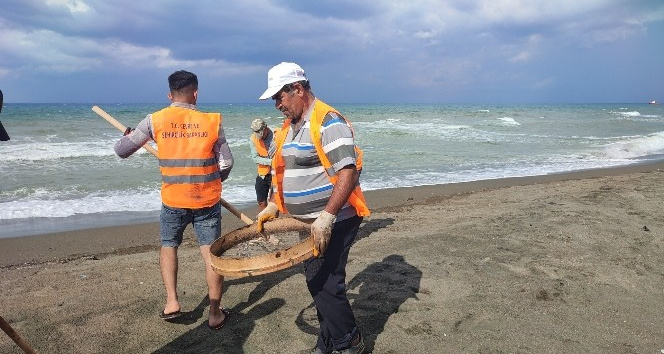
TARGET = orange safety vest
(185,139)
(321,109)
(261,149)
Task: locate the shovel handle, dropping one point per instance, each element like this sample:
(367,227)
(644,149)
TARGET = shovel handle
(121,127)
(247,220)
(15,337)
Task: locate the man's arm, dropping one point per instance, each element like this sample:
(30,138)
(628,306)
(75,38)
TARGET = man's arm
(256,157)
(132,142)
(339,147)
(223,154)
(346,182)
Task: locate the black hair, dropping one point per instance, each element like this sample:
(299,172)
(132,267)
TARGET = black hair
(289,87)
(183,82)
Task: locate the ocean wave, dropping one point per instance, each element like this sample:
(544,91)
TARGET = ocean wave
(49,203)
(546,166)
(57,204)
(509,121)
(43,151)
(635,147)
(636,114)
(629,114)
(65,166)
(397,128)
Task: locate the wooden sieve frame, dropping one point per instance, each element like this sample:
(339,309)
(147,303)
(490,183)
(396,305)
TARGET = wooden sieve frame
(234,267)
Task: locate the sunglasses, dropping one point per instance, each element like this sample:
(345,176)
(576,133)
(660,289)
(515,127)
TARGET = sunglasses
(285,89)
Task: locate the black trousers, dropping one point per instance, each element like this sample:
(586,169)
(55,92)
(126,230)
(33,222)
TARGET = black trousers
(262,187)
(326,281)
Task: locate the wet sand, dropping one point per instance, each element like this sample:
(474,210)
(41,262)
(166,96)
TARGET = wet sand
(567,263)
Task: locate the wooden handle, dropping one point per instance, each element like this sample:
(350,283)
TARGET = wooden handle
(121,127)
(247,220)
(15,337)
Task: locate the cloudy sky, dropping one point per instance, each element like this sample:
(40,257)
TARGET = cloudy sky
(415,51)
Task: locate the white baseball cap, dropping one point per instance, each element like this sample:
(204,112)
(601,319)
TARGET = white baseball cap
(280,75)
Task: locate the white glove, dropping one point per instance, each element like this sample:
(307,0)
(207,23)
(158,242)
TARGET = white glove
(321,229)
(270,212)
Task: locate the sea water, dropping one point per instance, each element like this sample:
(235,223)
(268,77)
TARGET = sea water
(59,172)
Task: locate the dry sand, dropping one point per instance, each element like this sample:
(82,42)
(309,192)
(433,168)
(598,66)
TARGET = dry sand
(570,263)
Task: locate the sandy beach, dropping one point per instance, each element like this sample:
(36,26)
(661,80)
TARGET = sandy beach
(569,263)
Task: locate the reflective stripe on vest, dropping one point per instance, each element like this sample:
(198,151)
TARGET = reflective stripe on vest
(261,149)
(184,179)
(189,169)
(321,109)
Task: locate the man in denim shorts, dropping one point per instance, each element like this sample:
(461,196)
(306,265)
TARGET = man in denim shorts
(194,158)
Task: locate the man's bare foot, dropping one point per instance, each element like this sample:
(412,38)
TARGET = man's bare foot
(170,312)
(173,307)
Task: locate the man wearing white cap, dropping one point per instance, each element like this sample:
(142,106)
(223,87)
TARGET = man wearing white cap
(316,179)
(262,149)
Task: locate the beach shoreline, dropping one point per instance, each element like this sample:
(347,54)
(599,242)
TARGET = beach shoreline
(565,263)
(138,236)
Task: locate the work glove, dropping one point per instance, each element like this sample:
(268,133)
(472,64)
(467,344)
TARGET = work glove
(321,229)
(270,212)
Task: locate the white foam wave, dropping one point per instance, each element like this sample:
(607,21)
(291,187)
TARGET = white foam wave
(633,114)
(48,203)
(636,147)
(39,151)
(508,121)
(548,166)
(637,116)
(430,128)
(237,142)
(379,124)
(53,204)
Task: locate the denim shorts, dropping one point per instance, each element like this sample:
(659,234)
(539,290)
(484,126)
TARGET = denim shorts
(205,221)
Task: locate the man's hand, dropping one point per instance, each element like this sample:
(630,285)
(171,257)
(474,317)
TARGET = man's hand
(270,212)
(321,229)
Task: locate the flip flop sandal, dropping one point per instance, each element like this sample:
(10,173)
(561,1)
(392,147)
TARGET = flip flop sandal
(169,316)
(227,315)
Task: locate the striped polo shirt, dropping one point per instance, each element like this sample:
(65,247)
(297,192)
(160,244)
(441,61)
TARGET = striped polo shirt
(306,186)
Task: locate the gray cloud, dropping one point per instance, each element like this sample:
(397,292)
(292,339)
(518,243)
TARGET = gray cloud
(422,50)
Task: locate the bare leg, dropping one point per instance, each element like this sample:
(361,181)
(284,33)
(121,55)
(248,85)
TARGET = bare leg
(168,261)
(215,287)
